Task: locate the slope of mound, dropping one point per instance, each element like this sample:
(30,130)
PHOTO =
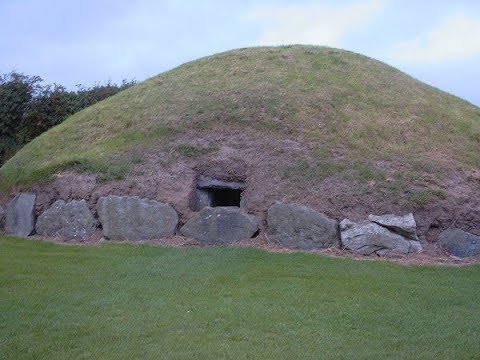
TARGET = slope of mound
(333,129)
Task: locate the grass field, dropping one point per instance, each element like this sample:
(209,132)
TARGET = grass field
(120,301)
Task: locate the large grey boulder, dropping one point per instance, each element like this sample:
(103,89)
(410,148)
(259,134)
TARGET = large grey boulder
(460,243)
(20,217)
(220,225)
(300,227)
(402,225)
(72,221)
(370,238)
(132,218)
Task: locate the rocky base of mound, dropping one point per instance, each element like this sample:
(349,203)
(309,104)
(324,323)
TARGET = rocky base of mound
(438,198)
(308,218)
(290,226)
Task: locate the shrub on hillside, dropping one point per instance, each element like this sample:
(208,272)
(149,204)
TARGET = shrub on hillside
(28,107)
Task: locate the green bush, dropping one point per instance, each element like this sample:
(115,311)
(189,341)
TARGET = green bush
(29,108)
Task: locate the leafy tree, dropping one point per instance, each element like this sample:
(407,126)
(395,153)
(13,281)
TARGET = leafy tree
(16,93)
(29,108)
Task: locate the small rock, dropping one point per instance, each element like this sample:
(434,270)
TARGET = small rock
(460,243)
(132,218)
(220,225)
(402,225)
(72,221)
(300,227)
(370,238)
(20,217)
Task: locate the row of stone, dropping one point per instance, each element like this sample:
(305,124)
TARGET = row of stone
(125,218)
(387,235)
(295,226)
(301,227)
(122,218)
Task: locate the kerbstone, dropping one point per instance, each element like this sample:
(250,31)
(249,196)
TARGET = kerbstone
(300,227)
(69,220)
(370,238)
(133,218)
(220,225)
(20,216)
(460,243)
(2,216)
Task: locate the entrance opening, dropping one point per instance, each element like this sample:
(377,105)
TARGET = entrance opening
(225,197)
(213,192)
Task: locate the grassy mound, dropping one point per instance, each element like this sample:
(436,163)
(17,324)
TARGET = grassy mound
(125,301)
(346,110)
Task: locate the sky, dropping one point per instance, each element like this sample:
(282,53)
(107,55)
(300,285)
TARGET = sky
(93,41)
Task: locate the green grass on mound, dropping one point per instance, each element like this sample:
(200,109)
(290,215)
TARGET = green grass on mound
(119,301)
(346,108)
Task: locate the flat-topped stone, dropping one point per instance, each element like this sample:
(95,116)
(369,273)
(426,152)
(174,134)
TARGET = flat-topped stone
(300,227)
(209,182)
(133,218)
(403,225)
(20,216)
(220,225)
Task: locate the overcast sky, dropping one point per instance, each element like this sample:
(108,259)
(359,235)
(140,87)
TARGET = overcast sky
(72,42)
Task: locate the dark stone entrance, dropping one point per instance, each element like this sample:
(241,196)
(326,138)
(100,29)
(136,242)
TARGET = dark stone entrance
(214,192)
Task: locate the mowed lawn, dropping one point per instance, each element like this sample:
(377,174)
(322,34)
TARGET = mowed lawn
(121,301)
